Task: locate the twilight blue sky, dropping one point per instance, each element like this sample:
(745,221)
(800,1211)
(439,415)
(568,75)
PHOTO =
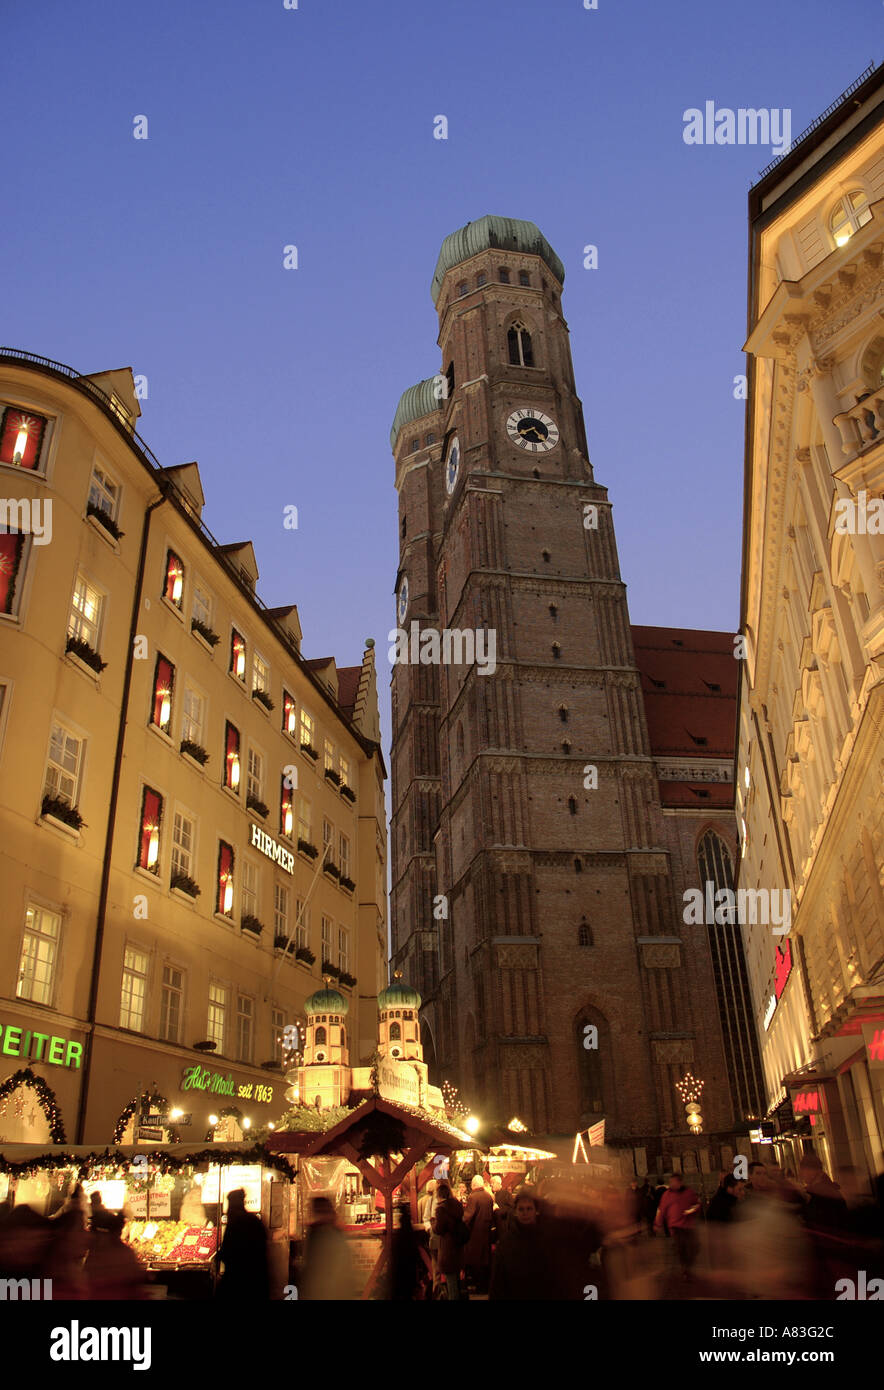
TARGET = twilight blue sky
(314,127)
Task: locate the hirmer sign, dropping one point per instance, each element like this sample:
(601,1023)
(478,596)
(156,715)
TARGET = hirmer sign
(278,853)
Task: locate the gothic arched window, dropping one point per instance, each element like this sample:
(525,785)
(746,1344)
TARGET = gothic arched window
(521,351)
(714,861)
(395,1032)
(590,1065)
(320,1038)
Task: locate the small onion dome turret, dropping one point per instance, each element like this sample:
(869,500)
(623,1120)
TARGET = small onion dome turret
(398,996)
(417,401)
(326,1001)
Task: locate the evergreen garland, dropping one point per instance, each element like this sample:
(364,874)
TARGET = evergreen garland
(45,1099)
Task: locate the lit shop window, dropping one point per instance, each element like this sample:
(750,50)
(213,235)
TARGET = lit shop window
(21,438)
(286,808)
(238,655)
(224,899)
(39,952)
(149,834)
(289,714)
(219,1006)
(231,757)
(12,569)
(134,990)
(163,685)
(171,1002)
(64,766)
(850,213)
(173,588)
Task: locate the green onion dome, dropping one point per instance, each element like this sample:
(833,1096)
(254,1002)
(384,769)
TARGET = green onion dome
(326,1001)
(398,996)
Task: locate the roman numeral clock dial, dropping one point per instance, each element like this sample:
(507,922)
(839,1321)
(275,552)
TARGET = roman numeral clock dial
(533,431)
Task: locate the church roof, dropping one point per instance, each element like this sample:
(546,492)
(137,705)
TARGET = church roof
(326,1001)
(507,233)
(416,401)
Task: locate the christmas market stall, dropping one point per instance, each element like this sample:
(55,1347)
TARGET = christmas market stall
(173,1199)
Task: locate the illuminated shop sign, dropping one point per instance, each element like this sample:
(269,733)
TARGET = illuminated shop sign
(40,1047)
(278,853)
(197,1078)
(873,1037)
(782,971)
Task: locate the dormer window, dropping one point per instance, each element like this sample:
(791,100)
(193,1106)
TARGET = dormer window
(520,349)
(849,214)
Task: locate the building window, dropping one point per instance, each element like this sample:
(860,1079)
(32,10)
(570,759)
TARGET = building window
(237,666)
(556,651)
(462,289)
(21,438)
(584,934)
(302,929)
(344,771)
(224,894)
(320,1036)
(563,713)
(849,214)
(260,673)
(520,349)
(245,1027)
(430,439)
(503,275)
(173,585)
(590,1064)
(327,940)
(395,1032)
(277,1036)
(134,991)
(306,729)
(305,820)
(344,861)
(170,1003)
(344,949)
(415,445)
(255,775)
(249,903)
(231,757)
(328,759)
(202,605)
(286,808)
(328,835)
(183,837)
(149,833)
(194,716)
(289,714)
(104,493)
(481,279)
(39,952)
(524,278)
(219,1004)
(64,766)
(163,687)
(84,624)
(12,554)
(280,910)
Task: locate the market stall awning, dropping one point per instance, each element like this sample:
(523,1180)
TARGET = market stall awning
(420,1127)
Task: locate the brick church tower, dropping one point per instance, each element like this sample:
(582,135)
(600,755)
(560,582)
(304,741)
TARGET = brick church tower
(532,894)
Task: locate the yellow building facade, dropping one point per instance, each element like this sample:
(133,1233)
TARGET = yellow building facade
(810,761)
(193,826)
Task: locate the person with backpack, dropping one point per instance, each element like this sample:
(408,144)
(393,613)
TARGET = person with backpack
(448,1225)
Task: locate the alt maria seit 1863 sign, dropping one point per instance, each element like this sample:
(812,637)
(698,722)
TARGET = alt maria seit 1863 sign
(197,1078)
(277,852)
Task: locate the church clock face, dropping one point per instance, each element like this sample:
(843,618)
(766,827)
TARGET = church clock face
(402,600)
(532,430)
(452,466)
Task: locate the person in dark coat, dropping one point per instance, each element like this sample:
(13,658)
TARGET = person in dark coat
(448,1225)
(722,1206)
(523,1267)
(479,1219)
(243,1253)
(406,1265)
(503,1206)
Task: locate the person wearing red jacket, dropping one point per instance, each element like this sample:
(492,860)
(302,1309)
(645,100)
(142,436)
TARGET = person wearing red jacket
(675,1215)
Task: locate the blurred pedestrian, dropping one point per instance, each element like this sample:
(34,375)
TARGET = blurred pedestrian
(243,1253)
(113,1270)
(523,1269)
(66,1256)
(503,1206)
(675,1216)
(448,1225)
(406,1266)
(479,1219)
(327,1271)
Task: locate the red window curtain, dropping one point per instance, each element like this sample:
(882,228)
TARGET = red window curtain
(231,757)
(237,655)
(224,902)
(149,840)
(11,550)
(286,810)
(289,726)
(163,685)
(21,438)
(173,589)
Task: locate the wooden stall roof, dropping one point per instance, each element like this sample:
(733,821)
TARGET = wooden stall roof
(419,1125)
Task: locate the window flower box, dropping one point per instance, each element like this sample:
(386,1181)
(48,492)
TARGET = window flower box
(254,803)
(348,792)
(185,884)
(195,751)
(305,847)
(347,979)
(53,808)
(77,647)
(250,923)
(104,520)
(347,882)
(207,1046)
(309,750)
(305,954)
(332,870)
(280,941)
(333,776)
(263,698)
(204,631)
(329,969)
